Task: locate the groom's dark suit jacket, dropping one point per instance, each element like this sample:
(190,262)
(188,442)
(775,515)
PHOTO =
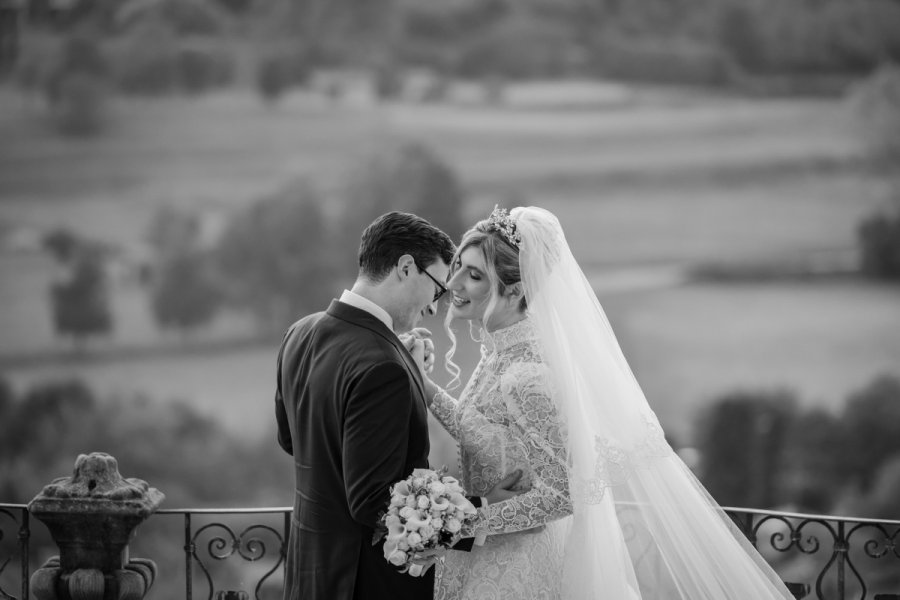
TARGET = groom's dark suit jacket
(351,410)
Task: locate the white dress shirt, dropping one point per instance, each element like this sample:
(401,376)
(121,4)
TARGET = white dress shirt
(357,301)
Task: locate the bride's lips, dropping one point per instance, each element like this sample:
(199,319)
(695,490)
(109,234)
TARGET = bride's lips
(457,301)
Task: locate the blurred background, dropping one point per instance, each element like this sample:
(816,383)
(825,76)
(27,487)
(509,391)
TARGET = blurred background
(182,179)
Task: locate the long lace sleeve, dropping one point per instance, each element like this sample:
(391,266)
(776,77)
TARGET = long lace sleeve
(444,408)
(534,419)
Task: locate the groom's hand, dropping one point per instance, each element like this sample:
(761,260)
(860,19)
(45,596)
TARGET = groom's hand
(422,561)
(502,489)
(426,364)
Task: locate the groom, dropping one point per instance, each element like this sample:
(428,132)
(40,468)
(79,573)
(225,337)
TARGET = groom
(350,408)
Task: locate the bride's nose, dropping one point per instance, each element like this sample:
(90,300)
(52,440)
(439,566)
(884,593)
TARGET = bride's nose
(454,282)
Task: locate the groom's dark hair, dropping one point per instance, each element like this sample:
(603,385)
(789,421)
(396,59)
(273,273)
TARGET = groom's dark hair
(394,234)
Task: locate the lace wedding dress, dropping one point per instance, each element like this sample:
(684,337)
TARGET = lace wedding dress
(506,419)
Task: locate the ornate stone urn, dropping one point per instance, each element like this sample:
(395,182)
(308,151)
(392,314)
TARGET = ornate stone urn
(92,516)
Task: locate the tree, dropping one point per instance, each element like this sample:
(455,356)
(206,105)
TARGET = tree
(277,257)
(185,293)
(741,443)
(173,231)
(81,305)
(877,104)
(871,424)
(63,244)
(410,178)
(879,241)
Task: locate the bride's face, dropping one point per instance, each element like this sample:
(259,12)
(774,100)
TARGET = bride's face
(469,286)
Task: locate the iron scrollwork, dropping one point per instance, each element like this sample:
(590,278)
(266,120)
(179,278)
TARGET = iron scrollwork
(251,544)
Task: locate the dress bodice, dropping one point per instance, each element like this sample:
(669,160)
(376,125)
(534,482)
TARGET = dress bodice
(505,419)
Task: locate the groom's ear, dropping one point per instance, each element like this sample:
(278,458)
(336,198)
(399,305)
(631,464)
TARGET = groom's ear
(406,266)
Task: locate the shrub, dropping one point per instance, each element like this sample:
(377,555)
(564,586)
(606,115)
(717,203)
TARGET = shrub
(738,31)
(281,69)
(742,441)
(387,80)
(202,68)
(146,61)
(187,17)
(879,240)
(517,47)
(75,55)
(185,294)
(662,61)
(877,106)
(276,257)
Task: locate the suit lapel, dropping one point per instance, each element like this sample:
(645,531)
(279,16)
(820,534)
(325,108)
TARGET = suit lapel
(361,318)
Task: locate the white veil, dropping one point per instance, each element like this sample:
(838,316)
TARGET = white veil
(643,526)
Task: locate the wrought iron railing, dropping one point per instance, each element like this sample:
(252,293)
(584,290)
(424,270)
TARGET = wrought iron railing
(826,557)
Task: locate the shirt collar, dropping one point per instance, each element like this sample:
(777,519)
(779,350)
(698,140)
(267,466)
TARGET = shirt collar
(357,301)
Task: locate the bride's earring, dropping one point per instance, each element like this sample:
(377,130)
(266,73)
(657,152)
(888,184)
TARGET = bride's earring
(479,338)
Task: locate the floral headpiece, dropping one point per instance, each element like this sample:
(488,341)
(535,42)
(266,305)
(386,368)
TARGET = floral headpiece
(501,221)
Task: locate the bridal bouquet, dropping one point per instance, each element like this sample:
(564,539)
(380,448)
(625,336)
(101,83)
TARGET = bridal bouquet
(427,511)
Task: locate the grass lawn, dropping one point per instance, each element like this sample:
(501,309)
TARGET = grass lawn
(693,179)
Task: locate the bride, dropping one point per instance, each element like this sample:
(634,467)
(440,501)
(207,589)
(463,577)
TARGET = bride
(604,508)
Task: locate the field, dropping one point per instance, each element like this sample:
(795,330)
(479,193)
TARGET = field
(646,188)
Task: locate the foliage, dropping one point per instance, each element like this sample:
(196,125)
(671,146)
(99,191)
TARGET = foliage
(738,30)
(410,178)
(877,104)
(662,60)
(280,69)
(185,292)
(760,450)
(81,104)
(146,60)
(872,415)
(879,240)
(63,244)
(387,80)
(742,440)
(184,17)
(78,56)
(169,444)
(276,256)
(81,305)
(173,231)
(203,67)
(518,47)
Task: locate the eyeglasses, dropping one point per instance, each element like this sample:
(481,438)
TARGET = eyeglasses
(441,289)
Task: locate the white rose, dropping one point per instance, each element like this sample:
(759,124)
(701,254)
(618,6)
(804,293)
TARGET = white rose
(414,538)
(437,523)
(397,558)
(436,487)
(403,546)
(427,531)
(453,525)
(419,482)
(407,512)
(424,502)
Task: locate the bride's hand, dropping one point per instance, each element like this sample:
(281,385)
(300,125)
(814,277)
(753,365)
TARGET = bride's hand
(410,339)
(502,489)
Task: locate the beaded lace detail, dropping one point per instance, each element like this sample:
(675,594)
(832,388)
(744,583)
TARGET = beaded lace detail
(504,420)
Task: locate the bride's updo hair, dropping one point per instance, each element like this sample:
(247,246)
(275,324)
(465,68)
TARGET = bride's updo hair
(501,259)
